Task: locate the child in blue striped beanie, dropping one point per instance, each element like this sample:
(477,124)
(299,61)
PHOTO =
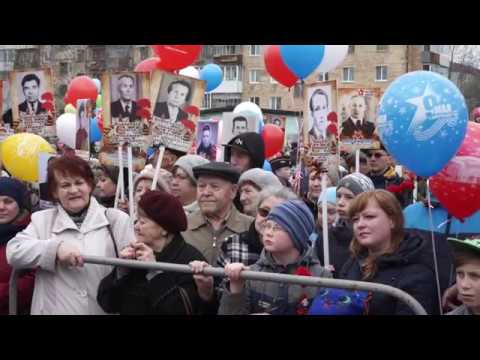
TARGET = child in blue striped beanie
(287,250)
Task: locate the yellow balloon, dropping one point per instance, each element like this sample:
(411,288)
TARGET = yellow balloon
(20,152)
(70,109)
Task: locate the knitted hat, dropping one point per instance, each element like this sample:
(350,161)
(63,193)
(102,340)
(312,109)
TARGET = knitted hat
(357,183)
(260,178)
(148,173)
(297,220)
(165,210)
(15,189)
(188,162)
(330,194)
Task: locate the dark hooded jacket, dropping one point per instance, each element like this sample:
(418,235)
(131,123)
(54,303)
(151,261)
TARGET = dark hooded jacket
(251,143)
(339,239)
(417,221)
(409,269)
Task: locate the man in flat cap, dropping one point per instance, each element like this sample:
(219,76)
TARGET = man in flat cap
(281,167)
(217,218)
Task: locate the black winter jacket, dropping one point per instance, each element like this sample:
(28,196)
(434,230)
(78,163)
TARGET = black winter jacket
(339,239)
(167,293)
(407,269)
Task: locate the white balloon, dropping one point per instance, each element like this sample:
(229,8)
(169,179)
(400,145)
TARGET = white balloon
(333,56)
(66,125)
(248,107)
(190,71)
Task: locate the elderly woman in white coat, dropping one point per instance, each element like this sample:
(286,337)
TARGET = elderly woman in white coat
(56,239)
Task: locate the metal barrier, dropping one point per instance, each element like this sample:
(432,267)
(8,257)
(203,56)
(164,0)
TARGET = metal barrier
(247,275)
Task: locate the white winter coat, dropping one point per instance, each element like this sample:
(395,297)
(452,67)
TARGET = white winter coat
(60,289)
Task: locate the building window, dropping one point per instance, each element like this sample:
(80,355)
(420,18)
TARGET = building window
(323,77)
(382,48)
(426,47)
(80,55)
(255,100)
(275,102)
(63,69)
(230,72)
(351,49)
(255,50)
(381,73)
(427,67)
(298,90)
(207,101)
(255,76)
(226,50)
(144,53)
(348,74)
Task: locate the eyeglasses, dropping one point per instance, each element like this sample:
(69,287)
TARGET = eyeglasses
(263,212)
(375,155)
(271,226)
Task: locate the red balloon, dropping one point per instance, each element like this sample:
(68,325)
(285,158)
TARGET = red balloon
(81,87)
(277,68)
(457,186)
(148,65)
(176,57)
(273,137)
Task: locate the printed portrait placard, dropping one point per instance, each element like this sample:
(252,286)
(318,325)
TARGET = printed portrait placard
(32,103)
(176,102)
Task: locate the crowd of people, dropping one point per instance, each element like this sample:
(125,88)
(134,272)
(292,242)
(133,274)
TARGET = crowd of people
(234,215)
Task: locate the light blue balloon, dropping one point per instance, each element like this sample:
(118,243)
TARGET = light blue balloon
(422,121)
(212,74)
(302,60)
(95,132)
(267,166)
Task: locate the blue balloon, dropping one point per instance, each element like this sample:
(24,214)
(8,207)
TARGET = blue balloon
(267,166)
(213,75)
(422,121)
(302,60)
(95,132)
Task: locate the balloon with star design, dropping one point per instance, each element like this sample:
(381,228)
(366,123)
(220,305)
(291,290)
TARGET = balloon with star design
(422,121)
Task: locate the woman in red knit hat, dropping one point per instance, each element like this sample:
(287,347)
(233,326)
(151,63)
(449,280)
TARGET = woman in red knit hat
(160,220)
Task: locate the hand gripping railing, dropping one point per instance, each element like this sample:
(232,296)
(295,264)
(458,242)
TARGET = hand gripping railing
(248,275)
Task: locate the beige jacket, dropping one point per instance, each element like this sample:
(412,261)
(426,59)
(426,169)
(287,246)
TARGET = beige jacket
(60,289)
(201,235)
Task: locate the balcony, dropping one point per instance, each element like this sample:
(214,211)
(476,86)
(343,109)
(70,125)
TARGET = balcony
(228,54)
(229,87)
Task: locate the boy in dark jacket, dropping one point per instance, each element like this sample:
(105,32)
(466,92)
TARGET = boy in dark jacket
(286,251)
